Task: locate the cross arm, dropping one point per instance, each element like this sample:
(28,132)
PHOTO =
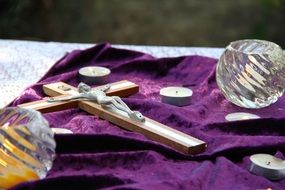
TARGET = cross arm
(122,88)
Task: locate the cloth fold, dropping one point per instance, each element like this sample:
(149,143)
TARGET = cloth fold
(102,155)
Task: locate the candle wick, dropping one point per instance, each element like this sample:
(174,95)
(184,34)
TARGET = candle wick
(268,163)
(176,92)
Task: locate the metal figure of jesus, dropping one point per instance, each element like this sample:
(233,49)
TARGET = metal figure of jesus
(99,96)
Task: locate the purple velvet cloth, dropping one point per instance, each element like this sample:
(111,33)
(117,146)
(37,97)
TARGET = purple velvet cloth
(102,155)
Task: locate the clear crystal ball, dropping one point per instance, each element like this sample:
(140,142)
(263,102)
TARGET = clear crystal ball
(27,146)
(250,73)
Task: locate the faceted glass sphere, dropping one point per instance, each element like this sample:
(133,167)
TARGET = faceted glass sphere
(250,73)
(27,146)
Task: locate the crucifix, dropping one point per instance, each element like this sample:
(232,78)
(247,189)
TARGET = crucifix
(104,101)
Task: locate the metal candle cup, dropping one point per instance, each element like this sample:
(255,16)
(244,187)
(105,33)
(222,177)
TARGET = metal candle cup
(178,96)
(267,166)
(94,75)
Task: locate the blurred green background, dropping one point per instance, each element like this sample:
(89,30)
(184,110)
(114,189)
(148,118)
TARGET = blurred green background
(146,22)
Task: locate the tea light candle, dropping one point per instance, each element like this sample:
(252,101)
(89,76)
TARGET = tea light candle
(61,131)
(267,166)
(240,116)
(178,96)
(94,75)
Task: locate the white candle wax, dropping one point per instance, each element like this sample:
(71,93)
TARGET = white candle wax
(178,96)
(267,166)
(94,75)
(240,116)
(61,131)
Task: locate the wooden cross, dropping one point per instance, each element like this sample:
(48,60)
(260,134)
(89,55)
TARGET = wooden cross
(150,128)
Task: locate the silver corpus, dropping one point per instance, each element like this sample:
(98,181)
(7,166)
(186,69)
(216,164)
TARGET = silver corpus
(112,103)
